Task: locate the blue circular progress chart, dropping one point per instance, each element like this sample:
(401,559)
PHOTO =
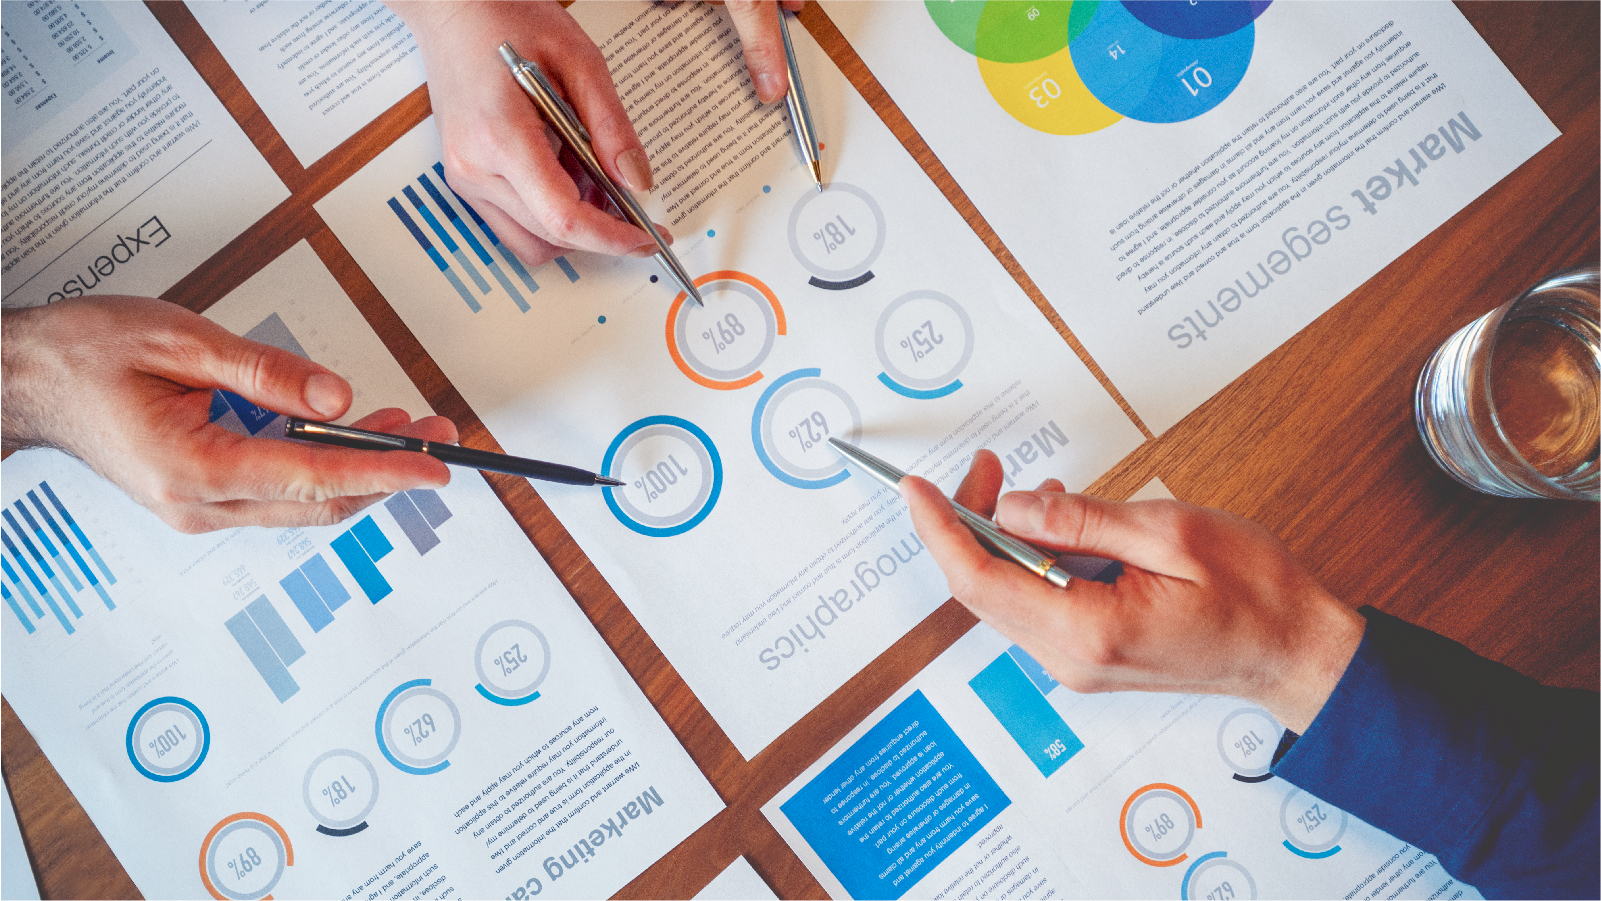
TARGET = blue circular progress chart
(1312,828)
(512,660)
(671,474)
(1151,76)
(418,726)
(168,739)
(1214,875)
(924,340)
(792,423)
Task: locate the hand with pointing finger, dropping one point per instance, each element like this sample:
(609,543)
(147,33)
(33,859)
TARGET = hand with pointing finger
(125,384)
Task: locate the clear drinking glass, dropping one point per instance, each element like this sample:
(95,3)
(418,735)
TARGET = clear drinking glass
(1510,405)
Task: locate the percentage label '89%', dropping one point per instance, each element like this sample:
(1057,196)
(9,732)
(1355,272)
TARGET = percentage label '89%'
(244,857)
(1159,822)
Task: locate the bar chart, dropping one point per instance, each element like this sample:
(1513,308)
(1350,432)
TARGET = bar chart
(266,640)
(418,513)
(360,548)
(45,545)
(1015,694)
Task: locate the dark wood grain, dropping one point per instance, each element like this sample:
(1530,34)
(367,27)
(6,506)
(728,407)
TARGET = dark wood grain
(1316,442)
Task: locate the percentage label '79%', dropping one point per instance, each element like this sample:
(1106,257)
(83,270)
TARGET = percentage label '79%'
(658,479)
(809,431)
(834,233)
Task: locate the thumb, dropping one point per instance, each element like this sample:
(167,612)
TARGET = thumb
(1139,534)
(213,357)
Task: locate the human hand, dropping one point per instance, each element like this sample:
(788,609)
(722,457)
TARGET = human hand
(499,153)
(757,24)
(1208,602)
(124,384)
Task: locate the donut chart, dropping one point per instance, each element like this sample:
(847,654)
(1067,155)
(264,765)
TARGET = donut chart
(792,423)
(723,343)
(1072,68)
(168,739)
(1159,822)
(672,472)
(244,857)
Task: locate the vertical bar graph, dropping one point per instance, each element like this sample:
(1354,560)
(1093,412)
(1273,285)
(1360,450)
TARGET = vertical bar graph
(359,548)
(61,536)
(433,254)
(39,561)
(494,240)
(328,586)
(22,588)
(315,591)
(38,532)
(567,269)
(34,578)
(419,513)
(1025,714)
(268,659)
(467,235)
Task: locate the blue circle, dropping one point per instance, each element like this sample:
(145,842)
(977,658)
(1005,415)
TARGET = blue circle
(1211,19)
(1158,77)
(767,189)
(756,435)
(384,747)
(601,320)
(710,233)
(654,279)
(205,739)
(711,499)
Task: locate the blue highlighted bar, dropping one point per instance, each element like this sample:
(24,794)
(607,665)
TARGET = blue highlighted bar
(1025,714)
(76,557)
(12,603)
(43,566)
(306,600)
(439,261)
(511,258)
(411,522)
(262,656)
(467,235)
(444,238)
(82,538)
(38,532)
(567,269)
(1042,680)
(322,578)
(22,587)
(34,578)
(275,630)
(354,556)
(372,538)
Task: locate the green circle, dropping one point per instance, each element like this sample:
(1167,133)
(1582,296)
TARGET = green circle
(1022,31)
(958,19)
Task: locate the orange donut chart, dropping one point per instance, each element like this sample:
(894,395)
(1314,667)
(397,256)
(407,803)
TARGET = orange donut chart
(1165,789)
(260,819)
(746,284)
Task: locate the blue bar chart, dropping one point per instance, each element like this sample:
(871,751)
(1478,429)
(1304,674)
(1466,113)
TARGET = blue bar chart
(266,640)
(360,548)
(49,551)
(315,591)
(240,416)
(494,240)
(433,254)
(472,241)
(1017,699)
(419,513)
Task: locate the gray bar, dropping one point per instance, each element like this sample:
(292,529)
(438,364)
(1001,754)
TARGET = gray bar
(411,522)
(431,505)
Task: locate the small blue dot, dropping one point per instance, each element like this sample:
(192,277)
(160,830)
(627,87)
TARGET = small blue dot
(602,320)
(711,233)
(767,189)
(653,279)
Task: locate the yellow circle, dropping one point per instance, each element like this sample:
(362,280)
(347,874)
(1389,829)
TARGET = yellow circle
(1047,95)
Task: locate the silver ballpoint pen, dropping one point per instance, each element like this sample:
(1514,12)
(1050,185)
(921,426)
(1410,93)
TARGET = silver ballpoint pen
(1040,563)
(574,135)
(800,115)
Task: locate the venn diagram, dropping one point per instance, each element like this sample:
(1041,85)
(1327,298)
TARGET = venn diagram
(1069,67)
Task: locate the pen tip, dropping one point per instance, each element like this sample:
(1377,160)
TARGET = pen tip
(610,482)
(699,301)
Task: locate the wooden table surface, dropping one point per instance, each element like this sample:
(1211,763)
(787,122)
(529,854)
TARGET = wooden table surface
(1316,442)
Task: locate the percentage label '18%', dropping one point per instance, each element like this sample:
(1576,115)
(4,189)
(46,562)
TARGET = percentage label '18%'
(340,789)
(834,233)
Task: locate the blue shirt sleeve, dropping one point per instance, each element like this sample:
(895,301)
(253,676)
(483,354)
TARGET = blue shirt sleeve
(1488,770)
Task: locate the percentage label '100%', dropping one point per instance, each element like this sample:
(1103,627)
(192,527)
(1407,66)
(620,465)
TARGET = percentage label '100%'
(810,430)
(921,341)
(724,332)
(169,739)
(664,475)
(834,233)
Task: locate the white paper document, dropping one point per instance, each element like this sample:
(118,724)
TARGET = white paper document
(767,571)
(117,156)
(407,704)
(984,778)
(737,883)
(320,71)
(1191,184)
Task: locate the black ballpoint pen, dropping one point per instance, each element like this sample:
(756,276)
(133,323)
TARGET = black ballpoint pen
(361,439)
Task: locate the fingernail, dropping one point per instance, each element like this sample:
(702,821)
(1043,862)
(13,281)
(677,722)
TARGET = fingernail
(644,251)
(635,169)
(326,394)
(1021,511)
(767,89)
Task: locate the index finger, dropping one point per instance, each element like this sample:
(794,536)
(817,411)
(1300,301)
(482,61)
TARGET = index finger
(757,24)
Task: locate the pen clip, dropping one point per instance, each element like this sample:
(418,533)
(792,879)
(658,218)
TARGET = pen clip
(531,68)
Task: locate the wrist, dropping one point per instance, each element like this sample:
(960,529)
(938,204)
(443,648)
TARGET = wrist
(23,378)
(1316,657)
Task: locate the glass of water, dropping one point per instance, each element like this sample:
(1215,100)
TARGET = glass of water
(1510,405)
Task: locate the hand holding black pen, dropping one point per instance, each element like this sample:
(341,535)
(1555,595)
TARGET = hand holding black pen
(361,439)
